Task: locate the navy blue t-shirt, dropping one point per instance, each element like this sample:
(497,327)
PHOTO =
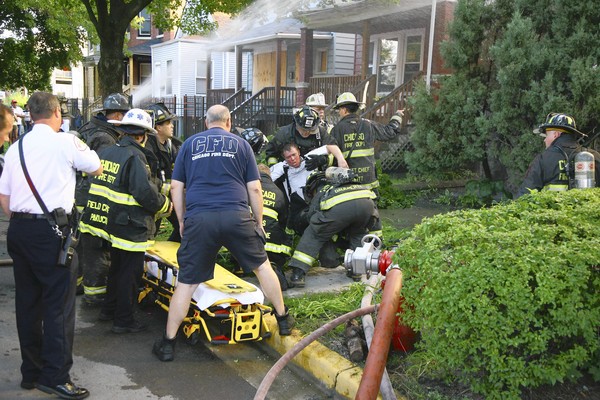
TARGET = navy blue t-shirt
(215,166)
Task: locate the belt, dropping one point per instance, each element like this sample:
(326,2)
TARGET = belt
(22,215)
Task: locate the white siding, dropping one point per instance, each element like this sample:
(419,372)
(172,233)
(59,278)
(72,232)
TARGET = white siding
(342,54)
(189,53)
(184,54)
(247,70)
(160,55)
(217,70)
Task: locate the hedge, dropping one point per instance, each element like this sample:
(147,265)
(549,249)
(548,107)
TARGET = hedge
(507,298)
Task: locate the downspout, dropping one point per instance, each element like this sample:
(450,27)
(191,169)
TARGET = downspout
(430,50)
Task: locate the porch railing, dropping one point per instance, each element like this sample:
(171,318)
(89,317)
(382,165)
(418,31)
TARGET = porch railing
(383,110)
(265,111)
(358,91)
(218,96)
(331,86)
(236,98)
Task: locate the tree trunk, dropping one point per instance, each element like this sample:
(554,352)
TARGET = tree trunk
(110,66)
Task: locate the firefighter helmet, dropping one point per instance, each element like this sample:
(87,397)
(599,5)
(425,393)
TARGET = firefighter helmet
(345,99)
(160,113)
(316,100)
(314,180)
(307,118)
(255,137)
(64,107)
(115,101)
(559,122)
(136,117)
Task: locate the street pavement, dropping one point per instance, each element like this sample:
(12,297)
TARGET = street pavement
(122,366)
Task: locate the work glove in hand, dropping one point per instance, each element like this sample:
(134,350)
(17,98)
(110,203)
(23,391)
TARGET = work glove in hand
(316,161)
(396,120)
(166,189)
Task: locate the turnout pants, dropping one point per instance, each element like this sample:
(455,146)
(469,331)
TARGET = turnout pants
(95,261)
(352,217)
(124,278)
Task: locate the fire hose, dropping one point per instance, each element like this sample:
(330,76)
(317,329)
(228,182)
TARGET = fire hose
(364,260)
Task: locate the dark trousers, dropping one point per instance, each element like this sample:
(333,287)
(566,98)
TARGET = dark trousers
(45,302)
(353,218)
(124,277)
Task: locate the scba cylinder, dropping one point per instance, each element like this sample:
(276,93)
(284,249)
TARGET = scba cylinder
(585,170)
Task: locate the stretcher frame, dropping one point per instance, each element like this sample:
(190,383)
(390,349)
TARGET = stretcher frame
(234,321)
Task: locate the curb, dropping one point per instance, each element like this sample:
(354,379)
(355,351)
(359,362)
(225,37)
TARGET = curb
(327,366)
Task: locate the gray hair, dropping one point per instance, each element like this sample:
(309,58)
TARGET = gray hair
(42,105)
(218,114)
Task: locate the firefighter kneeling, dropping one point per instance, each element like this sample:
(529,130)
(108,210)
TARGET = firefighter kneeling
(337,206)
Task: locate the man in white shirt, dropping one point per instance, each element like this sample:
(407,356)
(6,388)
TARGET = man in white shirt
(291,174)
(44,290)
(19,115)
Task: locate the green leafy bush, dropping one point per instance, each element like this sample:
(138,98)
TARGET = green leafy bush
(390,196)
(506,298)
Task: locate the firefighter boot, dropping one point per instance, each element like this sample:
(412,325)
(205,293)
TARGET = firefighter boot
(285,323)
(281,276)
(165,348)
(297,278)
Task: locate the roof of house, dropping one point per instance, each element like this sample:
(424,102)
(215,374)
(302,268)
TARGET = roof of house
(144,48)
(245,33)
(383,17)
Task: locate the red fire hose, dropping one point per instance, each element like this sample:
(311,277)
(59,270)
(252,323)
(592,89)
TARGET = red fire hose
(380,346)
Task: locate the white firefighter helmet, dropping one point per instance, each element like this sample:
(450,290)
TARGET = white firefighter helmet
(316,100)
(136,117)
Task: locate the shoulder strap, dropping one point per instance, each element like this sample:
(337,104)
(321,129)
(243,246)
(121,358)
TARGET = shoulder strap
(287,179)
(354,141)
(37,196)
(570,164)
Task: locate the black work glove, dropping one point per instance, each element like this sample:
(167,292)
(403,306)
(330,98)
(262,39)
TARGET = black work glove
(315,161)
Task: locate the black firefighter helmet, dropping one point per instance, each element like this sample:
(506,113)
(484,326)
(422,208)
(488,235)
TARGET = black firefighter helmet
(254,136)
(315,179)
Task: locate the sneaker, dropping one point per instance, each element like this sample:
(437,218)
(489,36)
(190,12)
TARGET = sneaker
(134,327)
(285,323)
(164,349)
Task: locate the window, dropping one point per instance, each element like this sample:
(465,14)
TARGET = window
(201,77)
(145,72)
(321,61)
(412,59)
(388,62)
(145,28)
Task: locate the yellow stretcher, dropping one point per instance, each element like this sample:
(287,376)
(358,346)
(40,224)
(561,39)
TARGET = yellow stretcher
(234,304)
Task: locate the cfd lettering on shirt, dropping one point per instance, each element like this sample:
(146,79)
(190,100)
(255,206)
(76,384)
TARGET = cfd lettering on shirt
(214,146)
